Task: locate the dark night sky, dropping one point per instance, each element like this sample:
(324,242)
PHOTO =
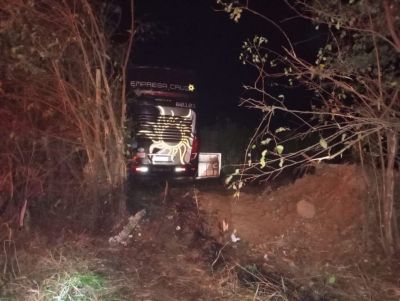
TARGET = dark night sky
(191,34)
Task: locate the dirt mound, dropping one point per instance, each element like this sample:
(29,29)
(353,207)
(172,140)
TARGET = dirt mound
(315,220)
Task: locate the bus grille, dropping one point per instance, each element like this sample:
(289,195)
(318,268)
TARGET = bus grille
(164,127)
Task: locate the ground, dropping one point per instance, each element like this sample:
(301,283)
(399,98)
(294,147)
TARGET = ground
(309,240)
(312,221)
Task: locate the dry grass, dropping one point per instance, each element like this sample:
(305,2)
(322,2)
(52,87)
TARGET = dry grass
(350,283)
(64,274)
(247,283)
(85,269)
(63,114)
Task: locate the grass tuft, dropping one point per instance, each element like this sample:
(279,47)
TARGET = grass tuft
(74,287)
(54,276)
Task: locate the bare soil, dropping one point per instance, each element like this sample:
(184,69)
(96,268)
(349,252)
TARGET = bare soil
(309,240)
(316,220)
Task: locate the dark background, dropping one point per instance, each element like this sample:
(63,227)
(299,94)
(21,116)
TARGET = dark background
(193,34)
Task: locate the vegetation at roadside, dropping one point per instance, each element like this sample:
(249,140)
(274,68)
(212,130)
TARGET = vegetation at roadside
(62,119)
(62,110)
(354,104)
(65,275)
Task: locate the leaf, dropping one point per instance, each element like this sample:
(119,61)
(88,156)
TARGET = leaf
(228,179)
(264,152)
(266,141)
(332,279)
(263,161)
(323,143)
(279,149)
(281,129)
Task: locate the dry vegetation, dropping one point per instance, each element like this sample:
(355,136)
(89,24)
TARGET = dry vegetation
(353,106)
(62,118)
(178,251)
(62,111)
(62,163)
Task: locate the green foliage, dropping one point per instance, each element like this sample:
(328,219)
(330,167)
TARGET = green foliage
(75,287)
(358,34)
(279,149)
(253,51)
(331,280)
(323,143)
(232,8)
(263,160)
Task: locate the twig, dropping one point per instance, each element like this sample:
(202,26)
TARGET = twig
(256,292)
(22,214)
(197,201)
(218,255)
(166,191)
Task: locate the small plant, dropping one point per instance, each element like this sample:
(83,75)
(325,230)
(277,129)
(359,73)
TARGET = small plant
(74,287)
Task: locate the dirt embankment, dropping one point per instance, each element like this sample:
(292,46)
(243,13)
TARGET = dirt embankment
(318,219)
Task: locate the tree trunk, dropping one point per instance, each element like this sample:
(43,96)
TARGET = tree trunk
(388,194)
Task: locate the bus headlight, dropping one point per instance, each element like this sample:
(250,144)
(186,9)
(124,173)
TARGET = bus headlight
(180,169)
(142,169)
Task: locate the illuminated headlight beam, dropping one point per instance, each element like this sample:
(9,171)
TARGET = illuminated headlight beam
(142,169)
(180,169)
